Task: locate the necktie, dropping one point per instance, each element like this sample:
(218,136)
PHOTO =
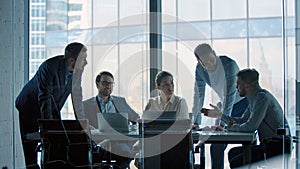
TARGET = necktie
(68,78)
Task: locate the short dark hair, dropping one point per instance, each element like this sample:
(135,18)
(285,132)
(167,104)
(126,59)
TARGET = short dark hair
(160,75)
(202,50)
(73,49)
(248,75)
(98,78)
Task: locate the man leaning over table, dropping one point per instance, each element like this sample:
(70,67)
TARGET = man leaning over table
(263,114)
(218,72)
(45,94)
(104,102)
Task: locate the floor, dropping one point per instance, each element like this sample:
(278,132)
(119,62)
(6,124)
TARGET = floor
(273,163)
(207,159)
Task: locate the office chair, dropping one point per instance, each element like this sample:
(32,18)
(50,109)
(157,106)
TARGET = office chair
(102,156)
(284,146)
(65,144)
(32,139)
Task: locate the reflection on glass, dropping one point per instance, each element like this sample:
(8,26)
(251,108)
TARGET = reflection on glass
(132,12)
(265,56)
(223,9)
(195,10)
(229,29)
(118,41)
(105,12)
(233,48)
(265,27)
(265,8)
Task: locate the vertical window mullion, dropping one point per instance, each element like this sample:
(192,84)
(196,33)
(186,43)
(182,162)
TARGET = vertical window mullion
(155,41)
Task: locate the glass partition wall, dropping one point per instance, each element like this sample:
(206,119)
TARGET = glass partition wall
(116,34)
(258,34)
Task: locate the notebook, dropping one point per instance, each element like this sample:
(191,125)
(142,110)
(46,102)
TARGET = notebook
(109,122)
(152,115)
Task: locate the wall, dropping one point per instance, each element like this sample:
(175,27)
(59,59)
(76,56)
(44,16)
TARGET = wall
(13,56)
(297,80)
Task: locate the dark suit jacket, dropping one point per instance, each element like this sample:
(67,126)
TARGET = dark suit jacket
(45,94)
(91,109)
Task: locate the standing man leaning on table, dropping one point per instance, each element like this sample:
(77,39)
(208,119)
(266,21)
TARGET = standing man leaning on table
(45,94)
(263,114)
(219,72)
(104,102)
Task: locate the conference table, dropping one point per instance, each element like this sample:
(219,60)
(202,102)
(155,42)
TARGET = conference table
(204,137)
(224,137)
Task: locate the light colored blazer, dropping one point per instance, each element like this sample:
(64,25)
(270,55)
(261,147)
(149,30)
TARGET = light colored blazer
(91,109)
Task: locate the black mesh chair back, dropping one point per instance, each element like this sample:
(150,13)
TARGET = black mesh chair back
(65,144)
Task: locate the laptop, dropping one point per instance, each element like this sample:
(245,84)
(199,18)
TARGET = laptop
(157,121)
(110,122)
(152,115)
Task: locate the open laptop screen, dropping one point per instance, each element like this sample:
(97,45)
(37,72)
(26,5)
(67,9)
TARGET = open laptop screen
(108,122)
(151,115)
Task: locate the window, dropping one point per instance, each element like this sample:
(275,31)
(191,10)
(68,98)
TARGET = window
(117,36)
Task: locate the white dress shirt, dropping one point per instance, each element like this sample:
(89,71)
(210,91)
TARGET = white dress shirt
(175,103)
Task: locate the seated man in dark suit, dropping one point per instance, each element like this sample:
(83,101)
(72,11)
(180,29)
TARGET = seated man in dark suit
(104,102)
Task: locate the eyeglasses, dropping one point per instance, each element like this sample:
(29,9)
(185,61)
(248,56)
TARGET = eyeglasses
(167,85)
(106,83)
